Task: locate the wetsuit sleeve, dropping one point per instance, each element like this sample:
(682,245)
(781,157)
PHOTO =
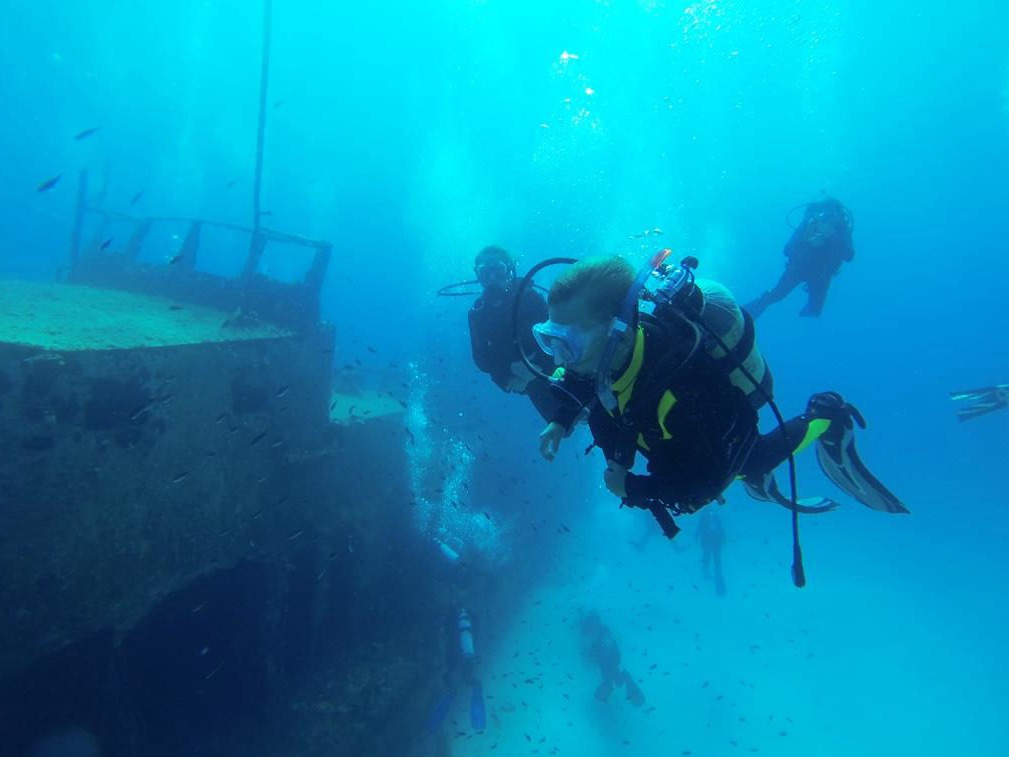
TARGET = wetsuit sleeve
(482,343)
(567,409)
(479,353)
(648,487)
(848,250)
(572,395)
(533,310)
(792,246)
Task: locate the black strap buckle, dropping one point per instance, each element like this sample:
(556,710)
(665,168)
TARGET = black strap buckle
(662,512)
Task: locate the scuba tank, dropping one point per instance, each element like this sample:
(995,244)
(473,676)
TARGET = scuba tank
(447,552)
(466,647)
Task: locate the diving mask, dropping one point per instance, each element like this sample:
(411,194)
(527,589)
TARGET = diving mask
(566,344)
(495,273)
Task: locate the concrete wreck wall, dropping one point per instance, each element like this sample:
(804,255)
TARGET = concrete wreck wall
(125,473)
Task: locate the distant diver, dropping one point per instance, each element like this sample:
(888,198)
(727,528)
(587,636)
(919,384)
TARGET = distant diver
(818,247)
(711,537)
(600,647)
(493,328)
(461,652)
(983,401)
(682,385)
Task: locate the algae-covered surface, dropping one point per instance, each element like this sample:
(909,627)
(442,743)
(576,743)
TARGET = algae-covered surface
(69,317)
(357,408)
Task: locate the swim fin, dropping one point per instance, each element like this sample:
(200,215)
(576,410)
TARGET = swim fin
(603,690)
(839,459)
(767,490)
(477,711)
(634,693)
(985,400)
(439,712)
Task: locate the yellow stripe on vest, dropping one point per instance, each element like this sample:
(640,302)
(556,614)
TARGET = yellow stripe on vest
(665,405)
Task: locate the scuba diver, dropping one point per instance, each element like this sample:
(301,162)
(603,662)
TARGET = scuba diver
(600,647)
(711,537)
(491,321)
(460,650)
(682,386)
(817,248)
(983,401)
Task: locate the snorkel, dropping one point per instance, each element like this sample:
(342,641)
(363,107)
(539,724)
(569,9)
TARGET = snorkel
(672,281)
(620,326)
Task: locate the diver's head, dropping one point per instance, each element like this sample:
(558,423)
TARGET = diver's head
(583,302)
(495,269)
(824,221)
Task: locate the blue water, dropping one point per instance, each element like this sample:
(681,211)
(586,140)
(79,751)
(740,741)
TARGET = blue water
(412,134)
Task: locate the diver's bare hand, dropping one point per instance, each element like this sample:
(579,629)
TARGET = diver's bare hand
(550,440)
(615,478)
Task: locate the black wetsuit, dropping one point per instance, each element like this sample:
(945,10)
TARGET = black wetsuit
(601,648)
(711,536)
(812,262)
(697,440)
(490,331)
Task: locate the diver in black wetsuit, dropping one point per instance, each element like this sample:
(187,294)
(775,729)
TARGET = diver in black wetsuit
(660,389)
(490,330)
(711,537)
(815,252)
(601,648)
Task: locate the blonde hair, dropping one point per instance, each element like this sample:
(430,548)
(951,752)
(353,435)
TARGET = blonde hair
(602,281)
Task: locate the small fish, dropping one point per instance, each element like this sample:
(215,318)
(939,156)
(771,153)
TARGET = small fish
(213,672)
(283,390)
(105,245)
(136,198)
(278,103)
(180,478)
(257,439)
(48,184)
(86,133)
(176,258)
(230,184)
(372,350)
(175,307)
(141,410)
(296,534)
